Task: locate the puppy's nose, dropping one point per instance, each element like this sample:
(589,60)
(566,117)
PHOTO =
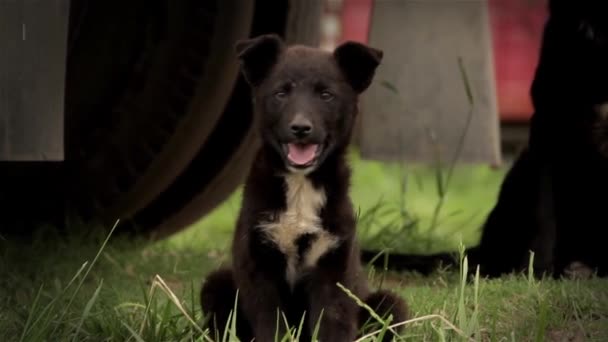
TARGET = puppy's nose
(300,127)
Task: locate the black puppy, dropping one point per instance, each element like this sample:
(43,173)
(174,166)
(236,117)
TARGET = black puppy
(295,236)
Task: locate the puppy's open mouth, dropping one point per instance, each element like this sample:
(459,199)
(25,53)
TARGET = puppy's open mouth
(302,155)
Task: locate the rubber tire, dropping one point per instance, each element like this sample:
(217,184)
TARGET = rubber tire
(177,84)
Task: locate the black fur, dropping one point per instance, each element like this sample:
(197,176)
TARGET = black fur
(553,200)
(315,88)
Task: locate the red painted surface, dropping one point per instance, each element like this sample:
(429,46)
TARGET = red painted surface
(516,27)
(356,18)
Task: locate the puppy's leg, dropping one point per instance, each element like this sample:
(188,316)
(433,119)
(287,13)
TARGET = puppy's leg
(217,300)
(260,300)
(384,303)
(339,313)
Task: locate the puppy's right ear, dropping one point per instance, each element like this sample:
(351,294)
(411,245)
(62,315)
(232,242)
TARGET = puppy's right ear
(358,63)
(258,55)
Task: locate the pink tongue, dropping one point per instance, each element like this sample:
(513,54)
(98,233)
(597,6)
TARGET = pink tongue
(301,154)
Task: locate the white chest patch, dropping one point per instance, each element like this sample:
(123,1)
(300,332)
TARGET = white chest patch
(300,219)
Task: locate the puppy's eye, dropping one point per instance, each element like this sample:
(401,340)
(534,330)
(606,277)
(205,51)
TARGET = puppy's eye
(281,95)
(326,96)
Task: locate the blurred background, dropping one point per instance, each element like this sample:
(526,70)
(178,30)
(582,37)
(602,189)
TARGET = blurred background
(140,114)
(445,153)
(512,30)
(136,111)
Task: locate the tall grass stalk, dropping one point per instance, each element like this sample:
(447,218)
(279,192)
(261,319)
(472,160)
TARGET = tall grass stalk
(443,183)
(38,329)
(468,323)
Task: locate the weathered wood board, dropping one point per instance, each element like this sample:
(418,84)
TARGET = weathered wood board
(33,41)
(422,42)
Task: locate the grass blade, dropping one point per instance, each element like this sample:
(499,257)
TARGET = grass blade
(368,308)
(299,331)
(227,327)
(134,334)
(79,286)
(158,281)
(87,310)
(466,82)
(315,333)
(388,85)
(416,320)
(233,322)
(45,313)
(31,314)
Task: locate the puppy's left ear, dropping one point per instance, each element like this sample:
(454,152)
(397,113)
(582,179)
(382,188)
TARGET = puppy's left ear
(358,63)
(258,56)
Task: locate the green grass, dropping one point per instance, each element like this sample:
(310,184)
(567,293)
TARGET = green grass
(408,195)
(149,292)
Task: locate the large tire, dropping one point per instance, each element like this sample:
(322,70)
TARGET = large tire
(158,121)
(134,126)
(167,133)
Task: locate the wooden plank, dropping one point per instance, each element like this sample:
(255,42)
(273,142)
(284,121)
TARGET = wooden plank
(422,41)
(33,41)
